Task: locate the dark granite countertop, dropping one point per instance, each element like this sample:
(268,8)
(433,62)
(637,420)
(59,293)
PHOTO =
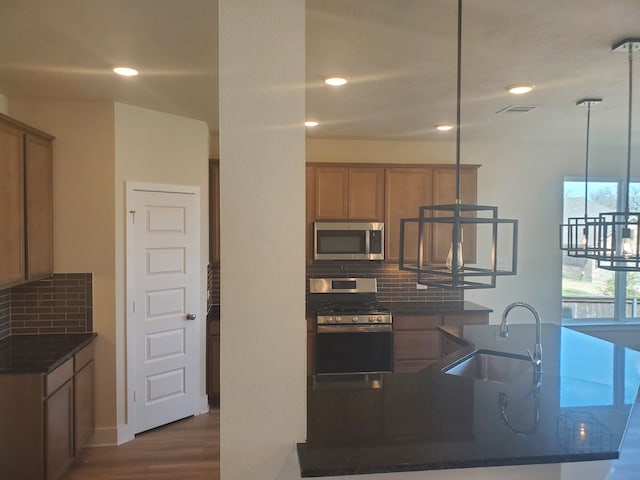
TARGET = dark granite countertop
(431,420)
(39,353)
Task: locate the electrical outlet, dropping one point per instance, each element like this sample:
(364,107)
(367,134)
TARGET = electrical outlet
(419,286)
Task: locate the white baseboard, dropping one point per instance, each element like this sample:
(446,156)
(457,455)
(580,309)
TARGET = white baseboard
(203,406)
(104,437)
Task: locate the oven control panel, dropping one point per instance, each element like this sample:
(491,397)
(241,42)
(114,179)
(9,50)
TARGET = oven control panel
(382,318)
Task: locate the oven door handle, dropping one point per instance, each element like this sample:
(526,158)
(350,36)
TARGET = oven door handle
(354,328)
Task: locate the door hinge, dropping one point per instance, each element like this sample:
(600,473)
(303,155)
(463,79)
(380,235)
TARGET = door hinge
(134,396)
(134,307)
(133,216)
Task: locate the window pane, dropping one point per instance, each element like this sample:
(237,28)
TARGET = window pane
(632,294)
(631,374)
(587,291)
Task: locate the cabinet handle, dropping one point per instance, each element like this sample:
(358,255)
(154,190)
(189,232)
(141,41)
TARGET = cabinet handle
(191,316)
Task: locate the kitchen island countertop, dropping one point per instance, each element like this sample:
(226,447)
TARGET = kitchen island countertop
(431,420)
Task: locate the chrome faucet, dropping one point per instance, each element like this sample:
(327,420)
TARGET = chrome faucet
(536,357)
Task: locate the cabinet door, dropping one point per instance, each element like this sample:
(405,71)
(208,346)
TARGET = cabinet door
(214,211)
(405,190)
(331,193)
(213,361)
(366,194)
(39,205)
(444,192)
(310,346)
(416,342)
(310,211)
(12,264)
(84,399)
(59,431)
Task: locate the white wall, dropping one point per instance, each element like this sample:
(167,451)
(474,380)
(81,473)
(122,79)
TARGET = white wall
(262,179)
(156,147)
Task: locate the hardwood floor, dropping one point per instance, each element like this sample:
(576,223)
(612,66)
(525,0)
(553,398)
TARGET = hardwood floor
(189,449)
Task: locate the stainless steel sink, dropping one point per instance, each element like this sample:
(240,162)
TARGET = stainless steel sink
(491,366)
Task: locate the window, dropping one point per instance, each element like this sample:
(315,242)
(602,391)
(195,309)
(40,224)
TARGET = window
(589,292)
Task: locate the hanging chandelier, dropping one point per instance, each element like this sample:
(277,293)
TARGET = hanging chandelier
(578,237)
(476,265)
(617,232)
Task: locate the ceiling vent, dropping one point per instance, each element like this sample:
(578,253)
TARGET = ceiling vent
(516,109)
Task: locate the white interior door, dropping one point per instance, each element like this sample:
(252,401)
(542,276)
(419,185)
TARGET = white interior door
(163,284)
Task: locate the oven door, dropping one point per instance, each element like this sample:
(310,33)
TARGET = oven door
(354,349)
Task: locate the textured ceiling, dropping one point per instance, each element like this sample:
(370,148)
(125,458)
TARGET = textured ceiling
(399,54)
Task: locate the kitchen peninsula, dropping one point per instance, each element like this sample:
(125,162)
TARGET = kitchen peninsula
(433,420)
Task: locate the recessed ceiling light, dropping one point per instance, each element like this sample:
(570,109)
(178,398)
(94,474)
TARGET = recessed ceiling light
(444,128)
(125,71)
(520,89)
(311,123)
(335,80)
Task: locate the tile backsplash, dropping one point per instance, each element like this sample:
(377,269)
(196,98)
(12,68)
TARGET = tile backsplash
(394,285)
(213,284)
(5,317)
(60,304)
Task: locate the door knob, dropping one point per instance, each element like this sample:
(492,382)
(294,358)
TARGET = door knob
(191,316)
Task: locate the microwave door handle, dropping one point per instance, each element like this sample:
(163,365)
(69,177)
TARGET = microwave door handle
(367,242)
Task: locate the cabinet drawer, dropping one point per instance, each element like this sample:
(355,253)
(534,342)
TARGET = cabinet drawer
(414,345)
(416,322)
(83,357)
(58,377)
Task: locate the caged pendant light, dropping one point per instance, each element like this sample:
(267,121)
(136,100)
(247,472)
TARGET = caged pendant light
(423,240)
(578,237)
(617,232)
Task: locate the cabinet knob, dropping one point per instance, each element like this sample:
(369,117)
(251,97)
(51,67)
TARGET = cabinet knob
(191,316)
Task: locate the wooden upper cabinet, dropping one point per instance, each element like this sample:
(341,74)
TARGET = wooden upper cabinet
(26,196)
(214,211)
(366,193)
(331,193)
(406,189)
(444,192)
(39,205)
(12,265)
(310,211)
(349,193)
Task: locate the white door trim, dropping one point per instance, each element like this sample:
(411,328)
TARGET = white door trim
(127,433)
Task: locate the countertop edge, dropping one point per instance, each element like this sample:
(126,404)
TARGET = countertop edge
(449,464)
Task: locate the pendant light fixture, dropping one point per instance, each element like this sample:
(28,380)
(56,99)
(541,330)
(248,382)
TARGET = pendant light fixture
(578,237)
(475,264)
(617,232)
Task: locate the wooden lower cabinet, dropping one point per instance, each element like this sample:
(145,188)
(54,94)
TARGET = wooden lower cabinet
(311,346)
(84,406)
(417,343)
(47,418)
(58,431)
(213,361)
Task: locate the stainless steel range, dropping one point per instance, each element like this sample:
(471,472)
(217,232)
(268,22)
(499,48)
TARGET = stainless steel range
(354,334)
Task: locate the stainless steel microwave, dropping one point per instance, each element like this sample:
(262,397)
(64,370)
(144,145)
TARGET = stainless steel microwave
(348,241)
